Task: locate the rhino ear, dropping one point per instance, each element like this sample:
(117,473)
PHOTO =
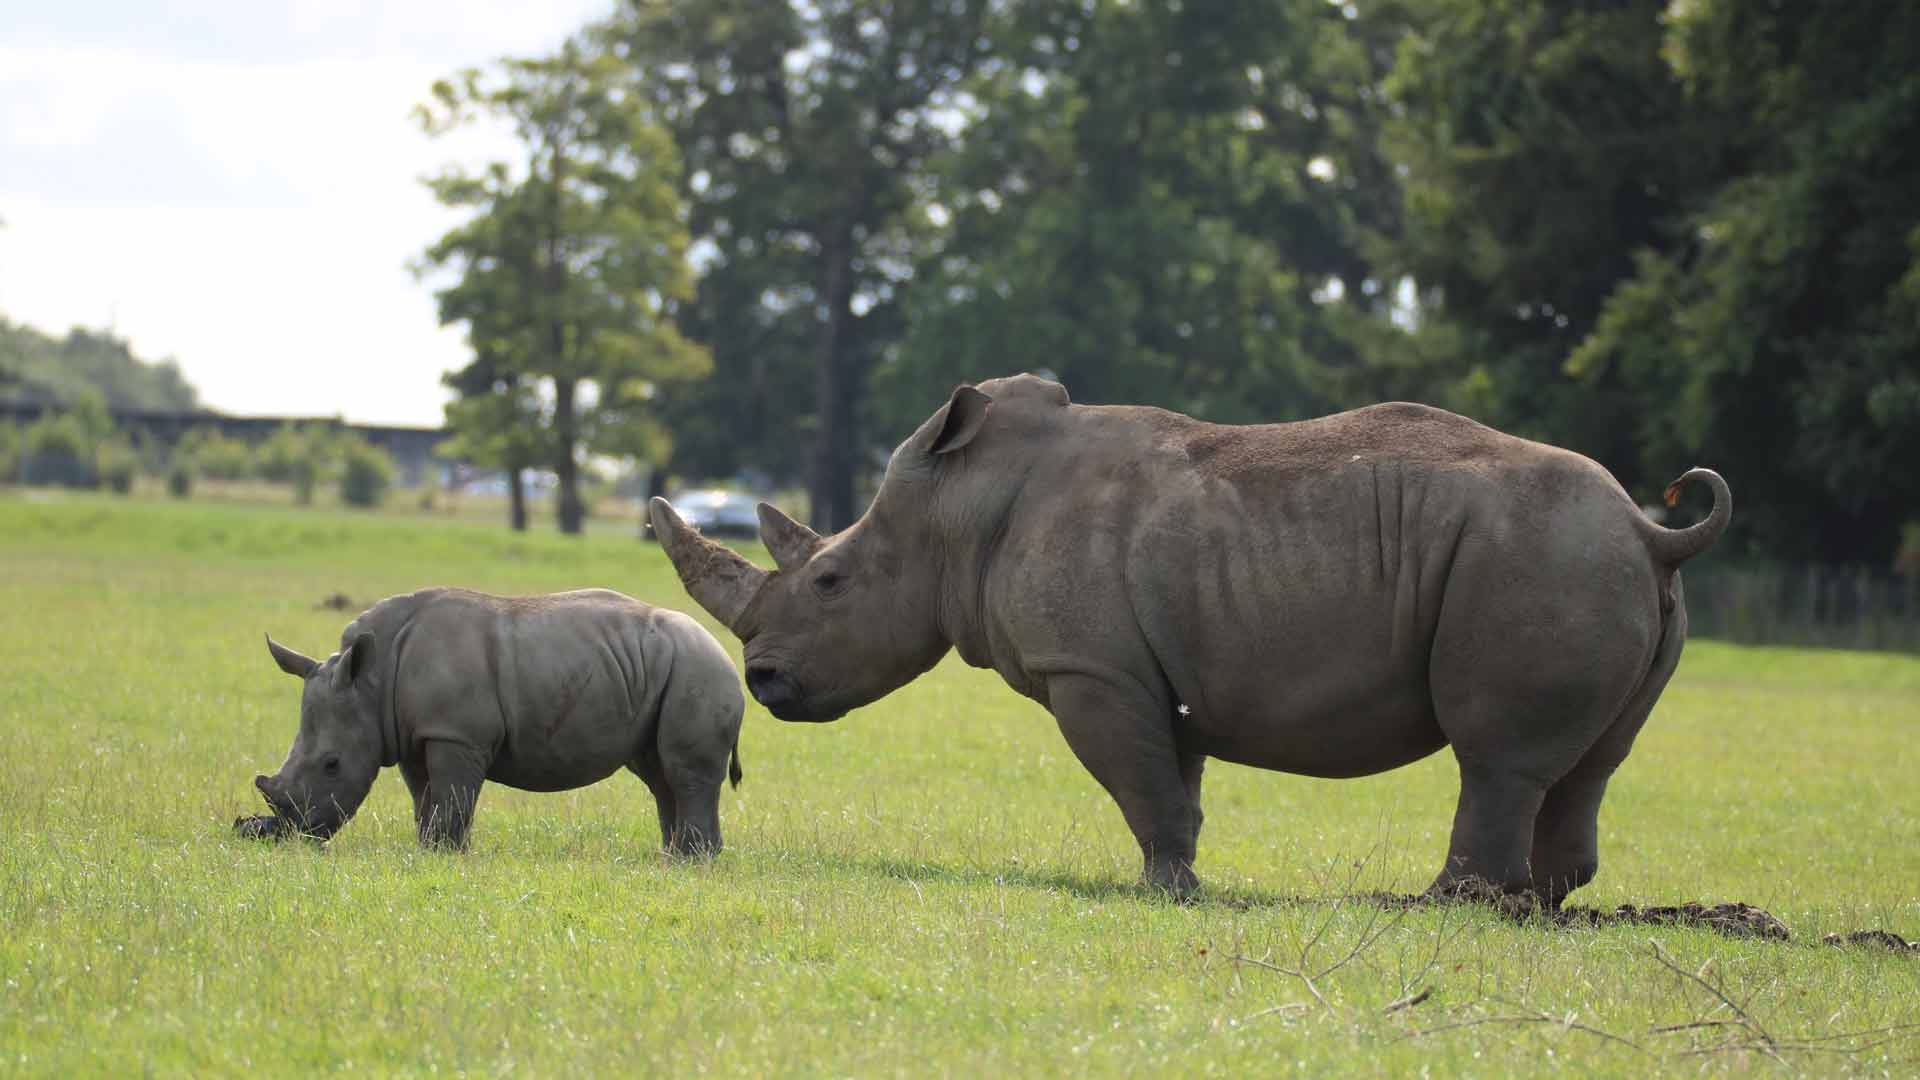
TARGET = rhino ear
(291,662)
(965,411)
(790,543)
(353,661)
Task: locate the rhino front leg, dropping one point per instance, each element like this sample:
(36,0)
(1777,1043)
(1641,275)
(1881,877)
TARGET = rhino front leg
(414,772)
(1124,739)
(454,775)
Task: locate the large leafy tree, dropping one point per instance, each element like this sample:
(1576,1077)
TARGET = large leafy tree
(1162,203)
(1545,142)
(566,269)
(806,129)
(1783,333)
(1662,233)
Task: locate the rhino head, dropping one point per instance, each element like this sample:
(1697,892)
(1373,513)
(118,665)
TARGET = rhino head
(844,619)
(338,750)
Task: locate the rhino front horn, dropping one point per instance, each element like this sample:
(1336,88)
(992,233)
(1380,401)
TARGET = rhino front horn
(716,576)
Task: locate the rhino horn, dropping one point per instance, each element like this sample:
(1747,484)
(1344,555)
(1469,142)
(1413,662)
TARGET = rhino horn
(716,576)
(291,662)
(790,543)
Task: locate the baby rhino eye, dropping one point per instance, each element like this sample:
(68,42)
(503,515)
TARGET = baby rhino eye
(332,765)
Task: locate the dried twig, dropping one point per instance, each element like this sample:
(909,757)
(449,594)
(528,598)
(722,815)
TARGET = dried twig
(1409,1001)
(1535,1017)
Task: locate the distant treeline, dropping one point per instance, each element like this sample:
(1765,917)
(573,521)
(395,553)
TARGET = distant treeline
(79,447)
(1663,234)
(38,369)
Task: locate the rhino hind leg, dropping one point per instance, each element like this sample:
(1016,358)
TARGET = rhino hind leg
(1566,836)
(647,768)
(693,741)
(1124,739)
(1492,833)
(1535,746)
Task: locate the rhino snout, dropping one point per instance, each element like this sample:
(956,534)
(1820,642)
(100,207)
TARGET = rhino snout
(770,688)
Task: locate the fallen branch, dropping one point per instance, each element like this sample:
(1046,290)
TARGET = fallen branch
(1409,1001)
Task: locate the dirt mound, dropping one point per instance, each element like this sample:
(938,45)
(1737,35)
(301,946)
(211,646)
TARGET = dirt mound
(1733,920)
(1885,939)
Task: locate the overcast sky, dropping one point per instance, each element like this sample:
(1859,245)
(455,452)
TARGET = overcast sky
(234,185)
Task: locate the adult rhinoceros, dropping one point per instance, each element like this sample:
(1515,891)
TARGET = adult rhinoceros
(1334,597)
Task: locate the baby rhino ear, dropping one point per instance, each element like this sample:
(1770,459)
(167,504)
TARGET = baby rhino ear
(354,661)
(291,662)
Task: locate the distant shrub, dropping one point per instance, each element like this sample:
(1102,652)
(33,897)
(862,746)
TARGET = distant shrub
(9,454)
(180,479)
(1907,559)
(215,456)
(58,449)
(117,465)
(299,455)
(366,474)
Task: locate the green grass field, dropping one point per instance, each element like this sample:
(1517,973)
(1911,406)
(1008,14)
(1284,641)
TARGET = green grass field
(931,886)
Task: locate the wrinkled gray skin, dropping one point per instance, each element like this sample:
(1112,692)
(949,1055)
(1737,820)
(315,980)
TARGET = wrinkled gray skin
(1335,597)
(542,693)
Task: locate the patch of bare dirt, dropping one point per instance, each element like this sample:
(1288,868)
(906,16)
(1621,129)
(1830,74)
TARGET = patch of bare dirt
(1884,939)
(1733,920)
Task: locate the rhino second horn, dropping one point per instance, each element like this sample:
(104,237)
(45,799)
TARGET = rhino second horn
(790,543)
(716,576)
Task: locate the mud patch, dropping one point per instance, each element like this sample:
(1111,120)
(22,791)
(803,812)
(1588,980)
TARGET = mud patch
(1733,920)
(334,602)
(1884,939)
(264,827)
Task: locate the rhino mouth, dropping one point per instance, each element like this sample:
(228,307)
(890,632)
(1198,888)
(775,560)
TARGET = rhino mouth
(289,819)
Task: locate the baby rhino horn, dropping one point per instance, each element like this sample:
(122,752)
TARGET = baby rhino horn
(716,576)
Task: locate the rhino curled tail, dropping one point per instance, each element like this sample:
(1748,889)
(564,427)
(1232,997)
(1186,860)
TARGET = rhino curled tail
(1671,547)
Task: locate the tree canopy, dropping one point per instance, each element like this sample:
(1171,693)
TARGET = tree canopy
(1659,233)
(38,368)
(566,268)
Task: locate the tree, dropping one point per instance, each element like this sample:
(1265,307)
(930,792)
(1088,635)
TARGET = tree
(1781,332)
(35,367)
(497,423)
(1544,143)
(1163,203)
(566,268)
(805,128)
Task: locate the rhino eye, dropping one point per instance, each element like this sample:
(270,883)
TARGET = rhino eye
(332,765)
(829,581)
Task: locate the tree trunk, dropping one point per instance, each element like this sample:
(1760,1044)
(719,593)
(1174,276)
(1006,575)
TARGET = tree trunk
(830,483)
(571,512)
(517,498)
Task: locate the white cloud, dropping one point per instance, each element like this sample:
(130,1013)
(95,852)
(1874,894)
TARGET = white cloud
(253,220)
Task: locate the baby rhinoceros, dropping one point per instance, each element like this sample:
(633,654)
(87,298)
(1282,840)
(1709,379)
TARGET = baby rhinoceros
(542,693)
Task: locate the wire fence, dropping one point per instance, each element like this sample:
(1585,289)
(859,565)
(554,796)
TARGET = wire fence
(1843,607)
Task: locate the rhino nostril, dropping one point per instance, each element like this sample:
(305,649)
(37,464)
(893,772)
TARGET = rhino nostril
(768,686)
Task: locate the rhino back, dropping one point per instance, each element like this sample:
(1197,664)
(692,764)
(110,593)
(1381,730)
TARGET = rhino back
(561,689)
(1276,579)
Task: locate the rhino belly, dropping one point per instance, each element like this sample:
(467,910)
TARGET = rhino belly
(1357,736)
(569,730)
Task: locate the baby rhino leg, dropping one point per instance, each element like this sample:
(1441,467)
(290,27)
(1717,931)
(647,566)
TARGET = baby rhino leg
(694,740)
